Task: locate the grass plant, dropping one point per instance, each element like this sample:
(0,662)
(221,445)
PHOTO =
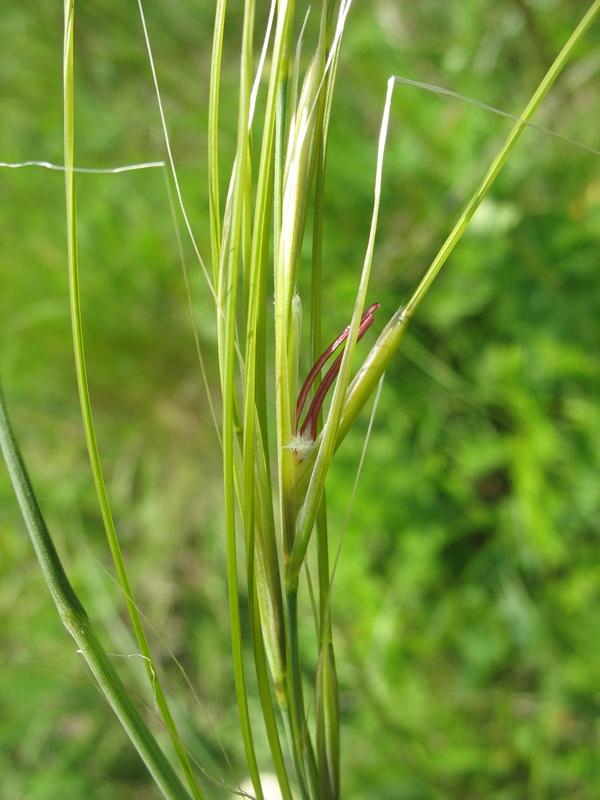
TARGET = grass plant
(275,468)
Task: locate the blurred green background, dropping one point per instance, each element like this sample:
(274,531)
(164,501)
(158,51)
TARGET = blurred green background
(467,605)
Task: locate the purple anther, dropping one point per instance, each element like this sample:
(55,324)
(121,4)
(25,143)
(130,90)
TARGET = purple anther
(312,416)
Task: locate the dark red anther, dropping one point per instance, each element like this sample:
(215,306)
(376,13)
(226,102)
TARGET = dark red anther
(312,416)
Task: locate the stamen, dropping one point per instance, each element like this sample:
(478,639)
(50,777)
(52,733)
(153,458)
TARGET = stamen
(312,416)
(313,412)
(323,358)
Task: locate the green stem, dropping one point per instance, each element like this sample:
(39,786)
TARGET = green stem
(77,622)
(228,300)
(213,139)
(387,344)
(498,162)
(304,755)
(327,699)
(262,676)
(86,406)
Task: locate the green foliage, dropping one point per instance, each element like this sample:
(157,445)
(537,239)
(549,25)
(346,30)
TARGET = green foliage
(466,605)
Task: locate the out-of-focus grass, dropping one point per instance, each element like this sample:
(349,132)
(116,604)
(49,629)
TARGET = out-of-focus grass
(470,562)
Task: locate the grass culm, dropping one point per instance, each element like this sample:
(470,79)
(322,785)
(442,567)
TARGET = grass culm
(289,393)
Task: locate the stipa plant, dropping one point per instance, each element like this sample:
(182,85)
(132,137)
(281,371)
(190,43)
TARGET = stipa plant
(276,452)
